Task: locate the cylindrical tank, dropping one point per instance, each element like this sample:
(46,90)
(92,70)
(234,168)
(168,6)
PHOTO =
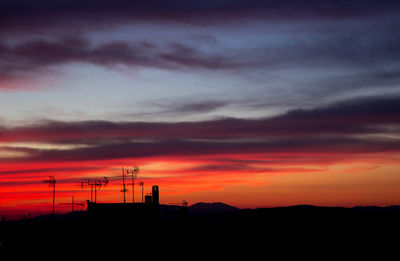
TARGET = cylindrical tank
(155,193)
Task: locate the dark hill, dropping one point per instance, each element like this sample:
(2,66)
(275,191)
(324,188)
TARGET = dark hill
(202,208)
(217,230)
(373,209)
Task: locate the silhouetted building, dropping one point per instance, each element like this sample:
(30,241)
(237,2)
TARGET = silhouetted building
(154,197)
(148,199)
(116,212)
(149,213)
(121,212)
(155,194)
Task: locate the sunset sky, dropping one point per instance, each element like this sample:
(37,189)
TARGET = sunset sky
(248,102)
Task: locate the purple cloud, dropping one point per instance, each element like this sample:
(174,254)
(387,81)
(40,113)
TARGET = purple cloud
(331,129)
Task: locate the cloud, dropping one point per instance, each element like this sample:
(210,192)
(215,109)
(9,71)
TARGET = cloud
(27,16)
(362,37)
(356,116)
(45,171)
(337,147)
(34,56)
(186,106)
(340,128)
(354,49)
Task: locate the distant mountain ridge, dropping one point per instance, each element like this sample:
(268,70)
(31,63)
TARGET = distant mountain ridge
(217,229)
(202,208)
(389,209)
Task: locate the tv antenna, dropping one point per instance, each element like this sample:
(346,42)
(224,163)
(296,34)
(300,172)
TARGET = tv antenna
(73,204)
(123,184)
(184,203)
(134,172)
(52,183)
(95,186)
(142,184)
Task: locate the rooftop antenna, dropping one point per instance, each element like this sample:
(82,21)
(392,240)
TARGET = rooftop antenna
(142,184)
(135,171)
(52,183)
(73,204)
(95,186)
(123,184)
(184,203)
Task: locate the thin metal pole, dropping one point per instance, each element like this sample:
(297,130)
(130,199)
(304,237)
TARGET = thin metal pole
(142,191)
(52,183)
(54,194)
(133,188)
(123,182)
(91,192)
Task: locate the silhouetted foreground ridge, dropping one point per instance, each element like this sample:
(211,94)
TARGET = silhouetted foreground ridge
(218,230)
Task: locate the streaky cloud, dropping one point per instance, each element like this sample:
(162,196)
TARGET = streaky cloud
(41,15)
(341,128)
(351,117)
(34,56)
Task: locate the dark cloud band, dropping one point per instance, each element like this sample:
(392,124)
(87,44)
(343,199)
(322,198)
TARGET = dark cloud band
(335,128)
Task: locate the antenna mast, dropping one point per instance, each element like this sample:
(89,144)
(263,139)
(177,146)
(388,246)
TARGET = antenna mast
(73,204)
(123,184)
(94,186)
(52,183)
(135,171)
(141,184)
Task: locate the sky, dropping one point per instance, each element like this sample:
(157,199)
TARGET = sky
(252,103)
